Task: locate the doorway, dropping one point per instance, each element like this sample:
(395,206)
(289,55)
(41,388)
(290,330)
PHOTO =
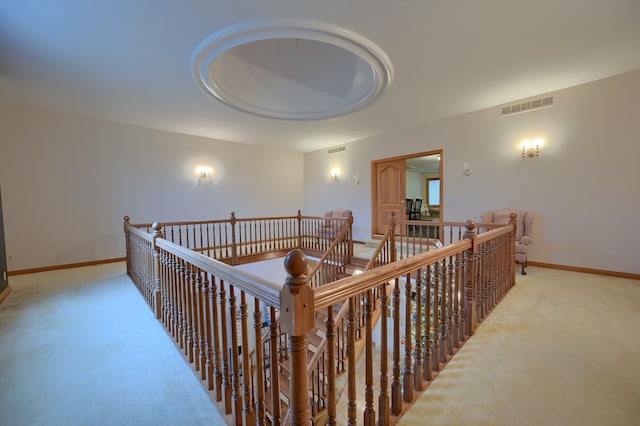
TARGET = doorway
(397,180)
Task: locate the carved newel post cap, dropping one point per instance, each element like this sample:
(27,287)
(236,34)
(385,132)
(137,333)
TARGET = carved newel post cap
(470,225)
(513,216)
(126,218)
(156,226)
(295,263)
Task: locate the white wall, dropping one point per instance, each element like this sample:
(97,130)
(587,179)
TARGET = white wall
(414,185)
(67,182)
(583,189)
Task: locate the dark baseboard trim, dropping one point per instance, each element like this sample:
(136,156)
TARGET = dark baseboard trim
(585,270)
(67,266)
(5,293)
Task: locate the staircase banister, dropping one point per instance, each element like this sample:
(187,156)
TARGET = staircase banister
(385,238)
(345,288)
(328,253)
(494,233)
(134,230)
(316,356)
(265,290)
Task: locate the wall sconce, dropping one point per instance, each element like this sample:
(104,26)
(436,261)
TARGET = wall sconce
(467,169)
(205,174)
(531,147)
(335,172)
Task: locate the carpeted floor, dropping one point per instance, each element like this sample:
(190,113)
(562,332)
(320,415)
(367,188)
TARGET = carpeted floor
(562,348)
(81,347)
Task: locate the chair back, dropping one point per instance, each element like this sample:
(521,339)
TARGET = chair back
(524,220)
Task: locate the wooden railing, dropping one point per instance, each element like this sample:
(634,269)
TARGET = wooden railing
(237,331)
(237,241)
(332,264)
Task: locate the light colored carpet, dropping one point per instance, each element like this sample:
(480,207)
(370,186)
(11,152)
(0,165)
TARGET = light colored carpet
(81,347)
(562,348)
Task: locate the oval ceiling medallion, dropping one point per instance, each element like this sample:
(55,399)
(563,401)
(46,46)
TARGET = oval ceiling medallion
(292,70)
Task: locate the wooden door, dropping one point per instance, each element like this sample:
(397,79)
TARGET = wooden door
(389,196)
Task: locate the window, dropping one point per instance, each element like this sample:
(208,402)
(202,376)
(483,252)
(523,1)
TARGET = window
(433,191)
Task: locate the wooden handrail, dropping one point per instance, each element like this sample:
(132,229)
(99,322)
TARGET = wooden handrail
(494,233)
(333,293)
(263,289)
(135,230)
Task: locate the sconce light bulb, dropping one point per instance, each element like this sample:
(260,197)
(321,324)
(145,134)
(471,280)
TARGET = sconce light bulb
(335,172)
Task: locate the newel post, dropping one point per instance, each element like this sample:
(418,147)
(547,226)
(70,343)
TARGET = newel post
(126,241)
(350,235)
(513,221)
(296,319)
(157,294)
(234,251)
(470,279)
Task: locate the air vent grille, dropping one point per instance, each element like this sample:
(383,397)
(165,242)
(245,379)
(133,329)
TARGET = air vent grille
(527,106)
(337,149)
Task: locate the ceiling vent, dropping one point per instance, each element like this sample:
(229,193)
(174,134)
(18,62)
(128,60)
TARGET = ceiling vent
(527,106)
(337,149)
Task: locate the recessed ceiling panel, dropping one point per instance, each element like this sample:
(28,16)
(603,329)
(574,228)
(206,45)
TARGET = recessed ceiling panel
(307,71)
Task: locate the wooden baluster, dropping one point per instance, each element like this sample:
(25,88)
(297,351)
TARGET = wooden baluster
(456,302)
(428,366)
(235,370)
(417,370)
(208,331)
(188,310)
(274,362)
(164,289)
(450,331)
(226,382)
(470,280)
(443,312)
(297,319)
(351,354)
(407,372)
(482,281)
(369,412)
(396,391)
(156,297)
(180,302)
(175,278)
(248,415)
(383,397)
(436,317)
(215,336)
(260,361)
(200,351)
(234,248)
(331,360)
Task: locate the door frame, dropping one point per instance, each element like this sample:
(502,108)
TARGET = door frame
(374,182)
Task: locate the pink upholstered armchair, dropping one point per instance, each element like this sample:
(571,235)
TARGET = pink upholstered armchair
(331,228)
(524,222)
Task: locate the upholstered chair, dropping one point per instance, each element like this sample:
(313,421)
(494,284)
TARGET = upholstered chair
(331,228)
(524,220)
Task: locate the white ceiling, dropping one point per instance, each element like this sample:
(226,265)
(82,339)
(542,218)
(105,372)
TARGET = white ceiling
(131,61)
